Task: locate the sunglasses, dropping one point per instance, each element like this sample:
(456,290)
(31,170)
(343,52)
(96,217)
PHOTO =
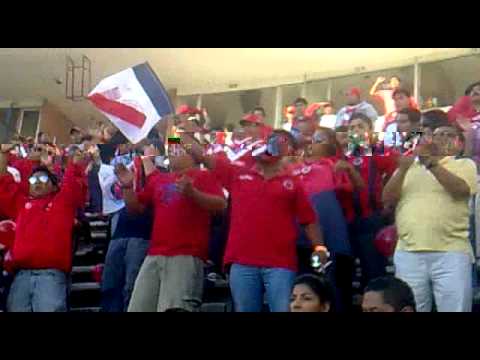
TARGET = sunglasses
(38,179)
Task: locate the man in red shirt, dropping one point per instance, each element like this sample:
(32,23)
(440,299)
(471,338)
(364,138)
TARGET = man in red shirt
(363,210)
(171,277)
(467,106)
(267,202)
(42,249)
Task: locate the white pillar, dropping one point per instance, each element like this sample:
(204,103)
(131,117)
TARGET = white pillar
(278,107)
(329,90)
(303,92)
(199,101)
(417,74)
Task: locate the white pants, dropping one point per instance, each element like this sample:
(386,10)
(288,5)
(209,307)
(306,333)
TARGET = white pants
(476,211)
(445,275)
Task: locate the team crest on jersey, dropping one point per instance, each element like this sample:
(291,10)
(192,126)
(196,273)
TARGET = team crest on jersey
(306,170)
(288,184)
(169,193)
(358,161)
(245,177)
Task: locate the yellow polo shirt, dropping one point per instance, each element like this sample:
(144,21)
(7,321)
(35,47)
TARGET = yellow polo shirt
(427,217)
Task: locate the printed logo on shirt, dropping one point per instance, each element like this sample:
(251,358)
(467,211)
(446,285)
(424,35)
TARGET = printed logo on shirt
(245,177)
(28,206)
(169,193)
(288,184)
(238,163)
(306,170)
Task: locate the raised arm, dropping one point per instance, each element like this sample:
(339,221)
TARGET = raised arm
(74,185)
(203,199)
(374,88)
(12,198)
(126,178)
(455,184)
(392,191)
(353,175)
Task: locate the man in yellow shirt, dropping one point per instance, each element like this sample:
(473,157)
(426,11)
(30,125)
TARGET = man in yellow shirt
(431,192)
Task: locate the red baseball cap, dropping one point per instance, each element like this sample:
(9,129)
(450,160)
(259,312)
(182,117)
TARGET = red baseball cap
(187,110)
(251,118)
(354,91)
(311,109)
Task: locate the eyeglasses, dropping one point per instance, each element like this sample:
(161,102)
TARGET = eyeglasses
(36,179)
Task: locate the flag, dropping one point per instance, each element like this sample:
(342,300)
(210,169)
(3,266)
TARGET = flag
(134,100)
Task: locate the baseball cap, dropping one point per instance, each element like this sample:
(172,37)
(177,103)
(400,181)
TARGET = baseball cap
(187,110)
(354,91)
(251,118)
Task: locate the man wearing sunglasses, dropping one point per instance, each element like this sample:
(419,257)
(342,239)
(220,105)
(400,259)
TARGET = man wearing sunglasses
(266,203)
(431,192)
(42,249)
(182,201)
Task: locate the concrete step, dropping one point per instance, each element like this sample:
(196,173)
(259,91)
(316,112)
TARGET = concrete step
(98,223)
(99,235)
(85,309)
(215,307)
(88,286)
(82,269)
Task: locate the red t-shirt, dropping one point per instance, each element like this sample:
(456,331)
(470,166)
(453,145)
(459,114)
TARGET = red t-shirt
(43,237)
(263,227)
(180,227)
(465,108)
(318,176)
(382,167)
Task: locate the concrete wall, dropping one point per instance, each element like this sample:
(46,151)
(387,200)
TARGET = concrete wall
(55,123)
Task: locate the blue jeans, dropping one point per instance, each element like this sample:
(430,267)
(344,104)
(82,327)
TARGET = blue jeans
(122,264)
(249,282)
(38,291)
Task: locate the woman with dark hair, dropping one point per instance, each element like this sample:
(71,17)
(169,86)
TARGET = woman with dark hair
(311,293)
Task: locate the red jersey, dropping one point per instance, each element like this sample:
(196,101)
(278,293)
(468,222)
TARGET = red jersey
(264,214)
(374,170)
(43,237)
(181,226)
(463,107)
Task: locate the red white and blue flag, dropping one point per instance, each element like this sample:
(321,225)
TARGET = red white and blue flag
(134,100)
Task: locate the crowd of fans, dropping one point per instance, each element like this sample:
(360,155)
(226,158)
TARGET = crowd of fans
(281,214)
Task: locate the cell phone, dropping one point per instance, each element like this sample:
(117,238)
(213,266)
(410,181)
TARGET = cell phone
(21,151)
